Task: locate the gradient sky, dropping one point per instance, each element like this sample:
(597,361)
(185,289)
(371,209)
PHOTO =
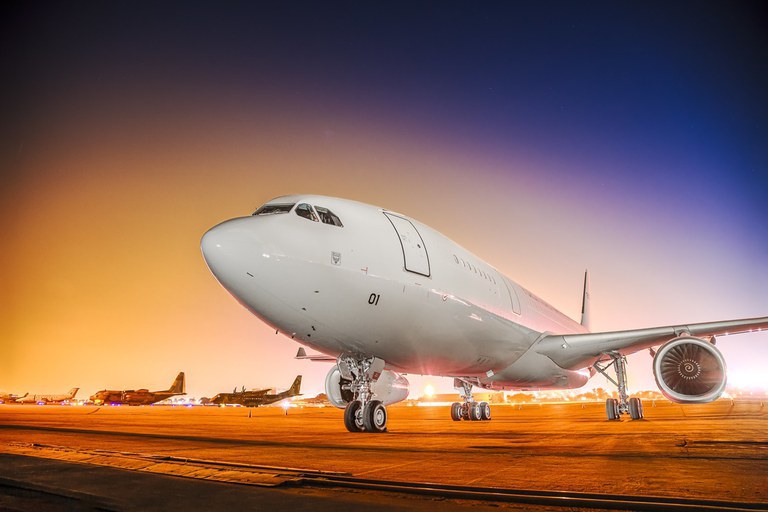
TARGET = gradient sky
(547,137)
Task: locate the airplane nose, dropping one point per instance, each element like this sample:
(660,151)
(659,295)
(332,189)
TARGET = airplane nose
(226,248)
(213,245)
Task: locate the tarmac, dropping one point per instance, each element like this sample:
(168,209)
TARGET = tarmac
(211,458)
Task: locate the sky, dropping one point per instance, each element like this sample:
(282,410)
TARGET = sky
(546,137)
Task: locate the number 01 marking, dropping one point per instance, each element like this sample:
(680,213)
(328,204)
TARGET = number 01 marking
(373,299)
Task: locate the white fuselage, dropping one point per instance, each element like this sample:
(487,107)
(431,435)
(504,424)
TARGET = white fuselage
(387,286)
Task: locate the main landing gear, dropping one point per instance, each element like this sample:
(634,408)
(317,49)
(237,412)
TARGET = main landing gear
(363,413)
(469,410)
(614,408)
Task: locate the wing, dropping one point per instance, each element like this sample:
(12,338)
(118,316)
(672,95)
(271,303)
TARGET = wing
(575,351)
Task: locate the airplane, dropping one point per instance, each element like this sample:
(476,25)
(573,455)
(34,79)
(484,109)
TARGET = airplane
(380,294)
(139,396)
(47,399)
(256,398)
(10,397)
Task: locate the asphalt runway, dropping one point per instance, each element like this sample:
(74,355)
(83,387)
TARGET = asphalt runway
(714,451)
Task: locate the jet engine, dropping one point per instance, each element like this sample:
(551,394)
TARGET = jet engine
(689,370)
(390,388)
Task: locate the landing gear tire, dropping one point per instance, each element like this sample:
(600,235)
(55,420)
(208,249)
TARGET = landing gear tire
(485,411)
(456,411)
(475,413)
(612,409)
(375,417)
(353,417)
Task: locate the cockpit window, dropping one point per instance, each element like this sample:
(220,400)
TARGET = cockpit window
(306,211)
(328,217)
(271,209)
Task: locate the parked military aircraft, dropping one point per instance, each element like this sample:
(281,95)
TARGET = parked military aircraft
(139,396)
(47,399)
(381,294)
(10,397)
(257,397)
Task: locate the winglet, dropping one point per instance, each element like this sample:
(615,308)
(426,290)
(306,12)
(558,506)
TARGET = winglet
(585,302)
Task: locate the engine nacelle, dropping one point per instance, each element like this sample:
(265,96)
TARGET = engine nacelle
(689,370)
(390,388)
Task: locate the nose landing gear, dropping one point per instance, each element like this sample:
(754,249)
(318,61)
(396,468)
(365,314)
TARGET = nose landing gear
(363,413)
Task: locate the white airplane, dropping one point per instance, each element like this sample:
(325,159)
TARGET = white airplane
(48,399)
(380,293)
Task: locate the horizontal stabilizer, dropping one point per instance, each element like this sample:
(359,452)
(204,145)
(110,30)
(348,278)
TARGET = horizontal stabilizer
(302,354)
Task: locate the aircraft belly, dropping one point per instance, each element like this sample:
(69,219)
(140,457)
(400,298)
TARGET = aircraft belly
(535,371)
(410,326)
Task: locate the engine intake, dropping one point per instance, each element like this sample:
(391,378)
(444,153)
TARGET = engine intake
(690,370)
(390,388)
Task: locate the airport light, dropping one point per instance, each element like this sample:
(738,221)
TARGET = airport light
(748,380)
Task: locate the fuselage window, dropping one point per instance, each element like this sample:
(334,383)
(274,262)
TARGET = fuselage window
(271,209)
(328,217)
(305,210)
(456,258)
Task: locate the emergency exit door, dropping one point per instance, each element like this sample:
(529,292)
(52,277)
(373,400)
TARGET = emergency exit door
(415,257)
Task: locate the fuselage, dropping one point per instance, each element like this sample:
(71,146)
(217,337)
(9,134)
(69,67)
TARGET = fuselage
(379,283)
(48,399)
(246,398)
(130,397)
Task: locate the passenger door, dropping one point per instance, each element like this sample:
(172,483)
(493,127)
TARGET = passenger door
(415,257)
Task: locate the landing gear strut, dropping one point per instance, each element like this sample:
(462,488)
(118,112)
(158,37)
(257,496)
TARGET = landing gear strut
(363,413)
(614,408)
(469,410)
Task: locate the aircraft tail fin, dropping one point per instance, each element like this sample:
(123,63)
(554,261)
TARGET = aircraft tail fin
(295,387)
(72,392)
(179,385)
(585,302)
